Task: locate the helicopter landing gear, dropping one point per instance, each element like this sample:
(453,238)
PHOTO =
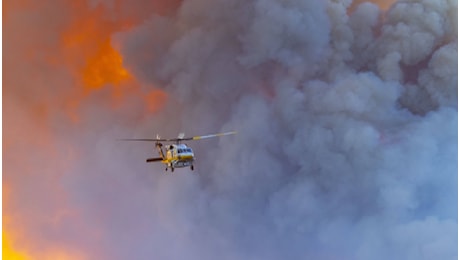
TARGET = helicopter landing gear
(191,167)
(168,166)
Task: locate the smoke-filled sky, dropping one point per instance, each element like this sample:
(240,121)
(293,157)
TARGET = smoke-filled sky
(346,115)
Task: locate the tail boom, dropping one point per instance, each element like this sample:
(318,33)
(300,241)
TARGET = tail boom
(157,159)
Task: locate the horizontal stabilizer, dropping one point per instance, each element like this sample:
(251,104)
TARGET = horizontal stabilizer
(158,159)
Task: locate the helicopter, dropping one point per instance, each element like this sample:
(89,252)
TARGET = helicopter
(176,154)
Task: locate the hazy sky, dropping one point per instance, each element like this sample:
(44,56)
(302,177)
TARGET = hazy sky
(346,116)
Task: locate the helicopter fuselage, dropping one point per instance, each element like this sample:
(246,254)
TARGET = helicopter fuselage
(179,156)
(176,155)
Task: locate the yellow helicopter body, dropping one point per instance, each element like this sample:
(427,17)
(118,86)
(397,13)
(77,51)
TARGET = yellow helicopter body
(176,155)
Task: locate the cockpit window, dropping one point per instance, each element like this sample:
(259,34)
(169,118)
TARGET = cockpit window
(184,150)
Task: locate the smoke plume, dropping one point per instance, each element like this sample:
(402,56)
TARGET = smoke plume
(347,133)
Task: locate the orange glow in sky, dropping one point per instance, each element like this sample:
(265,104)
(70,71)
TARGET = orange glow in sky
(52,47)
(104,68)
(7,250)
(383,4)
(87,45)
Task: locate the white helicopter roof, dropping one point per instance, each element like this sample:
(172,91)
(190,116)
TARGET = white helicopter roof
(181,146)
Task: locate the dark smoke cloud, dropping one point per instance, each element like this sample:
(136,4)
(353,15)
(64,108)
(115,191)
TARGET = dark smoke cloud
(346,145)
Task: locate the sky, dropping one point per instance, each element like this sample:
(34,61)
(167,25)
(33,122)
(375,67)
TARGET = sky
(346,113)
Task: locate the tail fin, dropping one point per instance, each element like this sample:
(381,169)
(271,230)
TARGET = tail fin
(158,159)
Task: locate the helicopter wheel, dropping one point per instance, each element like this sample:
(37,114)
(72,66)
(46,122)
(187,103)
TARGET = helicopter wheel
(172,169)
(191,167)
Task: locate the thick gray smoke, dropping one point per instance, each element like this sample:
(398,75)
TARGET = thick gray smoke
(346,145)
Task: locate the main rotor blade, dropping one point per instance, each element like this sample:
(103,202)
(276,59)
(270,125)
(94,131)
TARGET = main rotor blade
(210,136)
(178,139)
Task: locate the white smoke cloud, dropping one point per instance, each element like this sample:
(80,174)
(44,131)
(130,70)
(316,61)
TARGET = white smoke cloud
(335,156)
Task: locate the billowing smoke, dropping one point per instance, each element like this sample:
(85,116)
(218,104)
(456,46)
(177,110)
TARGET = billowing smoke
(346,147)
